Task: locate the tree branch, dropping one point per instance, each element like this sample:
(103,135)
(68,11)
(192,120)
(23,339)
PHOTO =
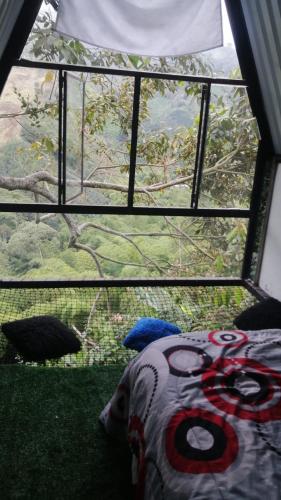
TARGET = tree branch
(84,226)
(90,251)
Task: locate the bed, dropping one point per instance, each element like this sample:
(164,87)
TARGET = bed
(202,415)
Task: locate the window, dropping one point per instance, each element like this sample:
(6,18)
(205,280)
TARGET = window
(129,171)
(140,143)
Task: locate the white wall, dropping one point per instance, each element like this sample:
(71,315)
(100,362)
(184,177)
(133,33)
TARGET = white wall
(270,278)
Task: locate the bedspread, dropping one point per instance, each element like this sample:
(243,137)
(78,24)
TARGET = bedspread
(202,414)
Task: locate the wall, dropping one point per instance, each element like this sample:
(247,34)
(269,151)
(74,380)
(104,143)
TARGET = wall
(263,19)
(270,278)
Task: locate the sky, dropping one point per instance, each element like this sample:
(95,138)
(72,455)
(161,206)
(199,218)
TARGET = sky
(227,34)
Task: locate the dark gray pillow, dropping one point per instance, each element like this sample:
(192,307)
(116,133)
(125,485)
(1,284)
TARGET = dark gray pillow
(261,316)
(41,337)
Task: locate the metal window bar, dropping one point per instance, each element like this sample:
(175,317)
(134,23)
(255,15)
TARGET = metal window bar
(63,207)
(123,282)
(239,213)
(125,72)
(134,140)
(64,137)
(201,143)
(60,127)
(82,135)
(194,183)
(254,289)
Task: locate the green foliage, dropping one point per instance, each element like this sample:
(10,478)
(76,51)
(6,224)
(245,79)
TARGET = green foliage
(102,318)
(30,245)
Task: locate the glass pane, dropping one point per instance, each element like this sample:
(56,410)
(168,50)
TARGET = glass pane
(99,117)
(74,137)
(49,246)
(167,139)
(29,136)
(231,150)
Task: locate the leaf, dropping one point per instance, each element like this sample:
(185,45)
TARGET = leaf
(49,76)
(231,235)
(49,145)
(219,263)
(238,296)
(136,61)
(186,310)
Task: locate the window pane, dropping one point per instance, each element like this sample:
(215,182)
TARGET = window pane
(74,136)
(29,136)
(231,150)
(99,117)
(167,141)
(48,246)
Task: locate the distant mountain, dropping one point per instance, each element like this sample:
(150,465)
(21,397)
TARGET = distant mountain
(25,80)
(223,60)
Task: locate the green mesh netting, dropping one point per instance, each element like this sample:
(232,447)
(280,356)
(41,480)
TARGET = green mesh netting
(102,317)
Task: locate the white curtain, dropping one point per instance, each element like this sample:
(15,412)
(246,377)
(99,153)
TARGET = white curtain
(9,11)
(144,27)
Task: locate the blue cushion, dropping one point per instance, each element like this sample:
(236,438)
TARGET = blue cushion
(146,330)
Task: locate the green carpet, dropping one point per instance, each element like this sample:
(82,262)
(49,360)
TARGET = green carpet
(51,443)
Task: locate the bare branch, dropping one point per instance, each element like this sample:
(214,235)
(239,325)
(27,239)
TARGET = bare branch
(13,115)
(183,233)
(28,182)
(121,235)
(119,261)
(90,251)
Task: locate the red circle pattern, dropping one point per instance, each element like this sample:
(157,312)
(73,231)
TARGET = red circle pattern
(213,383)
(242,338)
(187,465)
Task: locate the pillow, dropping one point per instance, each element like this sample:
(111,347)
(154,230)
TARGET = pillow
(146,330)
(262,316)
(41,337)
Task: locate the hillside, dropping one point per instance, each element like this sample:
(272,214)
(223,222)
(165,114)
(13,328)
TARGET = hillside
(223,60)
(27,81)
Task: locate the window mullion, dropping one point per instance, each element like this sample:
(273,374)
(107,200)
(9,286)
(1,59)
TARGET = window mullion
(134,141)
(82,137)
(60,146)
(64,135)
(201,143)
